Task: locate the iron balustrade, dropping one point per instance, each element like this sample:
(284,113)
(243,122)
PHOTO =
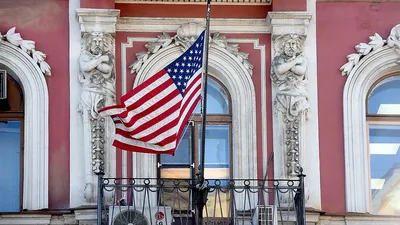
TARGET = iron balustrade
(179,201)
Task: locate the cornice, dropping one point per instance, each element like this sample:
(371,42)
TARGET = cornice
(182,2)
(98,20)
(157,24)
(289,22)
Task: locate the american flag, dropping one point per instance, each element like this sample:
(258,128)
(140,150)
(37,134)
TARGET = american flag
(152,116)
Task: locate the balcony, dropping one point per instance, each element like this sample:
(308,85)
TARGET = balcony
(151,201)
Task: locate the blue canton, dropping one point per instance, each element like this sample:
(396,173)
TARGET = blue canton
(184,67)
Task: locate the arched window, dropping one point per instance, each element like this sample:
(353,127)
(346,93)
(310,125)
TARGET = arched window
(218,140)
(218,158)
(11,148)
(383,125)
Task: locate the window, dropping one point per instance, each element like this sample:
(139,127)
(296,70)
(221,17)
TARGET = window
(383,124)
(11,151)
(184,164)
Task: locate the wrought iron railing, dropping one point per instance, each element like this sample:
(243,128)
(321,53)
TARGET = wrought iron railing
(178,201)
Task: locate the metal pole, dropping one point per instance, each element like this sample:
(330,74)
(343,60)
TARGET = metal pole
(301,217)
(99,197)
(204,83)
(201,190)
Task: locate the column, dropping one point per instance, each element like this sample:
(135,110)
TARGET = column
(294,96)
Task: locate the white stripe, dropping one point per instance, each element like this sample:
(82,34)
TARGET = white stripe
(136,143)
(168,133)
(192,101)
(146,90)
(149,102)
(111,112)
(157,126)
(156,112)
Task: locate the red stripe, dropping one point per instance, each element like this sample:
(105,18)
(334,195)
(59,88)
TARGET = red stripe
(167,140)
(152,108)
(163,129)
(157,119)
(143,85)
(186,117)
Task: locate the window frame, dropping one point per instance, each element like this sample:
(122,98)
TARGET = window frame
(362,77)
(17,115)
(387,119)
(195,121)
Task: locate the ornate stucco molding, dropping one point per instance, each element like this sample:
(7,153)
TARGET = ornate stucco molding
(36,126)
(225,67)
(369,69)
(283,23)
(375,44)
(97,78)
(171,24)
(289,77)
(186,35)
(290,90)
(28,47)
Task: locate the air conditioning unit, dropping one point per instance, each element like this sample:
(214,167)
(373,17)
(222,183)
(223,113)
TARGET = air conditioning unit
(265,215)
(128,215)
(3,84)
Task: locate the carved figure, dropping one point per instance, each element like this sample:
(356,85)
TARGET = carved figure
(97,72)
(289,77)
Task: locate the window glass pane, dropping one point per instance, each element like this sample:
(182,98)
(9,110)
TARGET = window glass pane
(385,168)
(182,153)
(217,151)
(384,98)
(217,99)
(175,173)
(10,166)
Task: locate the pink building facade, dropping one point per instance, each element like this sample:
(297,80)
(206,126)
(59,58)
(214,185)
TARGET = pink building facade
(313,81)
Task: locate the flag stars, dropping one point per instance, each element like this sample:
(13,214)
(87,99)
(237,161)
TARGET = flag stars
(183,68)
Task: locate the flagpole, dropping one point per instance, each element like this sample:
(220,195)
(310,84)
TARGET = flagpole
(202,190)
(204,103)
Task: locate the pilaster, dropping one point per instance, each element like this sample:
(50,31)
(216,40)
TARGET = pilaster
(295,111)
(94,80)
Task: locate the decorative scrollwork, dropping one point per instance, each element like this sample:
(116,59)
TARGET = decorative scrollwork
(28,47)
(185,36)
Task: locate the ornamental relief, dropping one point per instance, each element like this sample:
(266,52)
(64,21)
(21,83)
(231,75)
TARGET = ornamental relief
(97,77)
(375,44)
(289,77)
(185,36)
(29,48)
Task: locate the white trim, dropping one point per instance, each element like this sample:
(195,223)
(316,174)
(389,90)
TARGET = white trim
(311,162)
(263,74)
(157,24)
(370,68)
(36,144)
(237,79)
(76,140)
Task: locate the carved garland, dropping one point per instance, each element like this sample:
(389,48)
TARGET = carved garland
(184,40)
(376,43)
(28,47)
